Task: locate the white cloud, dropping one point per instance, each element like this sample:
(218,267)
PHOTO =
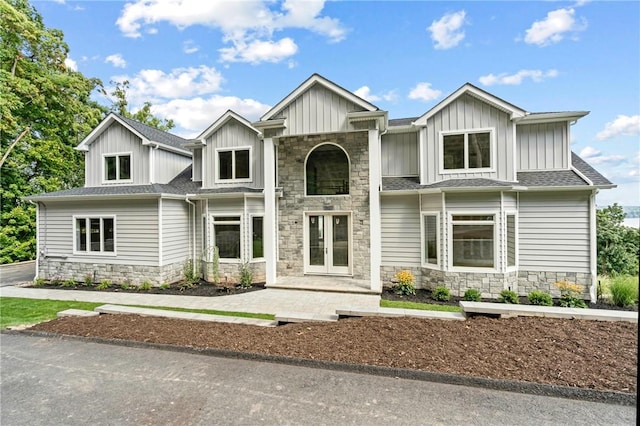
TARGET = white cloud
(258,51)
(150,85)
(517,78)
(116,60)
(70,64)
(622,125)
(424,92)
(189,47)
(194,115)
(554,27)
(365,93)
(247,25)
(589,152)
(446,32)
(595,157)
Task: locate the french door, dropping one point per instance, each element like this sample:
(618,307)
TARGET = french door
(327,243)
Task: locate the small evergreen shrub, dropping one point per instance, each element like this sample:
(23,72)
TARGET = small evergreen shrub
(68,283)
(39,282)
(246,275)
(441,294)
(472,295)
(104,284)
(624,290)
(540,298)
(125,285)
(509,296)
(570,294)
(88,280)
(145,286)
(165,286)
(405,283)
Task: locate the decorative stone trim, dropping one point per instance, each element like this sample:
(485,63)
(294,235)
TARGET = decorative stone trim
(545,281)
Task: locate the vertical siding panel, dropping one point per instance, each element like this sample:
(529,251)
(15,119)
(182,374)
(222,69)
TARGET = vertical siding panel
(400,229)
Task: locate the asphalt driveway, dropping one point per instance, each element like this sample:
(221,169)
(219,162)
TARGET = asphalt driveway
(17,273)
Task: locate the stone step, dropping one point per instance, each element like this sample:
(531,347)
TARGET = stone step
(117,309)
(77,313)
(400,313)
(289,317)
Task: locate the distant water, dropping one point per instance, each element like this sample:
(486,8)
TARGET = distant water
(633,222)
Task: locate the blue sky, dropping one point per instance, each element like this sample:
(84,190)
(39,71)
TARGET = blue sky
(195,59)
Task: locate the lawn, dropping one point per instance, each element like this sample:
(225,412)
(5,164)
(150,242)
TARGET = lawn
(421,306)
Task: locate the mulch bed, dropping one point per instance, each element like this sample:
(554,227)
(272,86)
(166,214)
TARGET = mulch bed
(201,288)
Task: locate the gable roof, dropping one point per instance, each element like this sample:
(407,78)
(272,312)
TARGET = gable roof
(148,134)
(310,82)
(468,88)
(224,119)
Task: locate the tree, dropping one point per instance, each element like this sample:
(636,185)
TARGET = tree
(120,105)
(618,245)
(39,95)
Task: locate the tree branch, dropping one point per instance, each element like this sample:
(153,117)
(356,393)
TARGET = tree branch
(15,142)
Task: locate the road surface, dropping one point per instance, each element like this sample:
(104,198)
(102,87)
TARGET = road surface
(17,273)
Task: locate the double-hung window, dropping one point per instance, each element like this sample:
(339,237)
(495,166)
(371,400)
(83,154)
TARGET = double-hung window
(117,167)
(234,164)
(226,236)
(473,241)
(467,150)
(430,231)
(94,234)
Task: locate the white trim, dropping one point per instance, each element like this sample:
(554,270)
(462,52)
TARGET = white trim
(516,154)
(270,212)
(90,252)
(513,213)
(423,261)
(160,230)
(306,158)
(233,149)
(552,117)
(496,247)
(465,133)
(375,214)
(117,180)
(38,240)
(212,234)
(327,268)
(422,169)
(221,121)
(582,176)
(593,264)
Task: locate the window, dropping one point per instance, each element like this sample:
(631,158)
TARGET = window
(473,241)
(257,229)
(94,234)
(226,236)
(117,167)
(470,150)
(327,171)
(430,230)
(511,240)
(234,164)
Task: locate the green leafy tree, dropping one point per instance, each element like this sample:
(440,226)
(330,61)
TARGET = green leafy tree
(618,245)
(45,110)
(120,105)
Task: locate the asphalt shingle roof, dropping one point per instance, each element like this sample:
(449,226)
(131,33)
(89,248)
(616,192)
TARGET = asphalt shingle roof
(401,121)
(586,169)
(154,134)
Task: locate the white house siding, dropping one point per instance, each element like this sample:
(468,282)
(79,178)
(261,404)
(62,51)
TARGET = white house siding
(116,139)
(167,165)
(232,134)
(554,232)
(400,154)
(400,224)
(196,170)
(543,146)
(469,113)
(317,110)
(175,231)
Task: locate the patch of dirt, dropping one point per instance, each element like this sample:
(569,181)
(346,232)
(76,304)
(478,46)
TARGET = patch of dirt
(576,353)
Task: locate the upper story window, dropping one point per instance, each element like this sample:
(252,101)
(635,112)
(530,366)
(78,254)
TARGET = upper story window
(327,171)
(117,167)
(234,164)
(467,150)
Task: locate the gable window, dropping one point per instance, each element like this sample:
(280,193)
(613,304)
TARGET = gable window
(117,167)
(327,171)
(234,164)
(226,236)
(430,236)
(94,234)
(257,230)
(472,241)
(467,150)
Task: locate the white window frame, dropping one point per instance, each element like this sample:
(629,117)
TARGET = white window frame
(506,241)
(496,246)
(217,178)
(423,241)
(117,179)
(211,235)
(466,133)
(306,159)
(251,258)
(89,252)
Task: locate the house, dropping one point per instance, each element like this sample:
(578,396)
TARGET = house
(474,193)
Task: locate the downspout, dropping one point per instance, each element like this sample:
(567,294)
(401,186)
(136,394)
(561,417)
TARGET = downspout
(193,233)
(37,204)
(593,264)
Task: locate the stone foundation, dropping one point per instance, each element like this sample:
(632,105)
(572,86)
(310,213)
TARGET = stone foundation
(229,273)
(546,281)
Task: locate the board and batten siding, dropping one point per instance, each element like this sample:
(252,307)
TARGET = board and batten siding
(400,220)
(543,146)
(136,230)
(317,110)
(553,230)
(233,134)
(196,170)
(469,113)
(116,139)
(167,165)
(400,154)
(175,231)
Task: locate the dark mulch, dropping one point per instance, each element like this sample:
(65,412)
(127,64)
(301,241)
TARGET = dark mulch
(201,288)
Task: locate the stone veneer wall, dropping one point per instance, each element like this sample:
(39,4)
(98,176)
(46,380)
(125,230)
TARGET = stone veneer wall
(545,281)
(135,274)
(292,152)
(229,273)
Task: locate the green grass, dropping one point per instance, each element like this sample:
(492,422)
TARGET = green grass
(617,284)
(422,306)
(16,311)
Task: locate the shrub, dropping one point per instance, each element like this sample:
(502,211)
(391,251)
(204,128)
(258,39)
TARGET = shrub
(69,283)
(540,298)
(190,275)
(39,282)
(441,293)
(88,280)
(104,284)
(125,285)
(570,294)
(624,290)
(405,283)
(246,275)
(57,281)
(509,296)
(145,286)
(472,295)
(165,286)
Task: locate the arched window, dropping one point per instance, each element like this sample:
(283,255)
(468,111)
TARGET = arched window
(327,171)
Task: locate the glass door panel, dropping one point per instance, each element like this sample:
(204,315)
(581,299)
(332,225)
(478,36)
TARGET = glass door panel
(340,240)
(316,241)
